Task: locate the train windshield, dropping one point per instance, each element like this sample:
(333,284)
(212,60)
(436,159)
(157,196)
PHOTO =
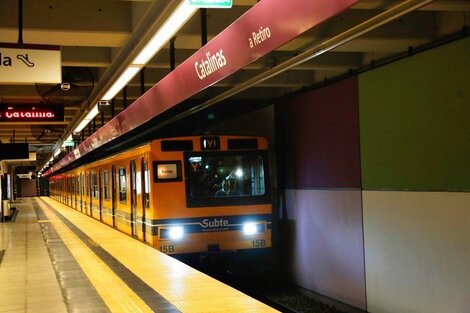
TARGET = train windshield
(219,178)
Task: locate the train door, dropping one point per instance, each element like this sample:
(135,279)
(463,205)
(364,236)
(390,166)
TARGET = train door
(114,193)
(100,194)
(62,184)
(70,200)
(71,190)
(145,196)
(65,198)
(77,192)
(133,198)
(86,182)
(90,192)
(81,191)
(67,191)
(74,189)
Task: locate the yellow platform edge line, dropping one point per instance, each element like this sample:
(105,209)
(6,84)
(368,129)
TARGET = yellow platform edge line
(114,292)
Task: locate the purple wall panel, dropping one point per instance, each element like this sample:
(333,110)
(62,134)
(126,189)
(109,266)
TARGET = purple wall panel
(319,131)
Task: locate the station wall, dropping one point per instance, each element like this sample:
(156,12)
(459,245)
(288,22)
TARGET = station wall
(376,185)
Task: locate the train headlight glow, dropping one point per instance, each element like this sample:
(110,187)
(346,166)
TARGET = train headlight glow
(250,228)
(176,232)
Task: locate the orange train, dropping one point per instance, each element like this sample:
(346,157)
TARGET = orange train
(186,195)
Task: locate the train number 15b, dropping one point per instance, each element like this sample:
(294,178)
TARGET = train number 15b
(167,249)
(258,243)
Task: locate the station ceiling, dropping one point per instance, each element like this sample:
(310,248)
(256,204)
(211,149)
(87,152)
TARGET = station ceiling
(94,34)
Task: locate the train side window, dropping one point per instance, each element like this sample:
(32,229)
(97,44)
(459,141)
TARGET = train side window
(106,184)
(94,183)
(122,185)
(146,184)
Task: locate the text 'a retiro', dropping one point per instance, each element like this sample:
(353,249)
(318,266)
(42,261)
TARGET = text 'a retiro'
(264,33)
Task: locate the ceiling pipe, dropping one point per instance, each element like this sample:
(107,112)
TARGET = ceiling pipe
(20,22)
(318,49)
(172,53)
(203,13)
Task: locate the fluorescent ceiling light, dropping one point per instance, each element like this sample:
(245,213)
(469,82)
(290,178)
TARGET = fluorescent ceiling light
(122,81)
(81,126)
(94,112)
(91,115)
(177,19)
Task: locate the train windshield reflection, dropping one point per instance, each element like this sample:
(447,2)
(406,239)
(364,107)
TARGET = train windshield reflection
(225,175)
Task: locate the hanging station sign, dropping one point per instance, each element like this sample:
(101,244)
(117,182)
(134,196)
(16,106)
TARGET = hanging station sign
(19,112)
(265,27)
(27,63)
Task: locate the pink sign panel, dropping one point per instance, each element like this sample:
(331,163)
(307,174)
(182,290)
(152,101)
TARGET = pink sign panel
(265,27)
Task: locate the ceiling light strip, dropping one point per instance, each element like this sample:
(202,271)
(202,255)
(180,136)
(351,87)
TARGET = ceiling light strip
(177,19)
(122,81)
(91,115)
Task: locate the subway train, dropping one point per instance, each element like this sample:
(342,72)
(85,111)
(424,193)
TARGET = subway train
(196,195)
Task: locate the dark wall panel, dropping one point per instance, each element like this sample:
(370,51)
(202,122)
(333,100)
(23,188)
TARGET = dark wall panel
(319,131)
(28,188)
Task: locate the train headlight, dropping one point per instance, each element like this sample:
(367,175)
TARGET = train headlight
(176,232)
(250,228)
(172,232)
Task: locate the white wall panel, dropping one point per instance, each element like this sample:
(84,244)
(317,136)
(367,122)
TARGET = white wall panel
(325,243)
(417,251)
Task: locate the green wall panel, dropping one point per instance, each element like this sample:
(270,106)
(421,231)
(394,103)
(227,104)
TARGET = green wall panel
(415,121)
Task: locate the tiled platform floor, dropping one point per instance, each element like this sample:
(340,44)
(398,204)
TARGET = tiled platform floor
(28,282)
(51,265)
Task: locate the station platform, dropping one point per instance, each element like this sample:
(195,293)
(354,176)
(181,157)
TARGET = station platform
(55,259)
